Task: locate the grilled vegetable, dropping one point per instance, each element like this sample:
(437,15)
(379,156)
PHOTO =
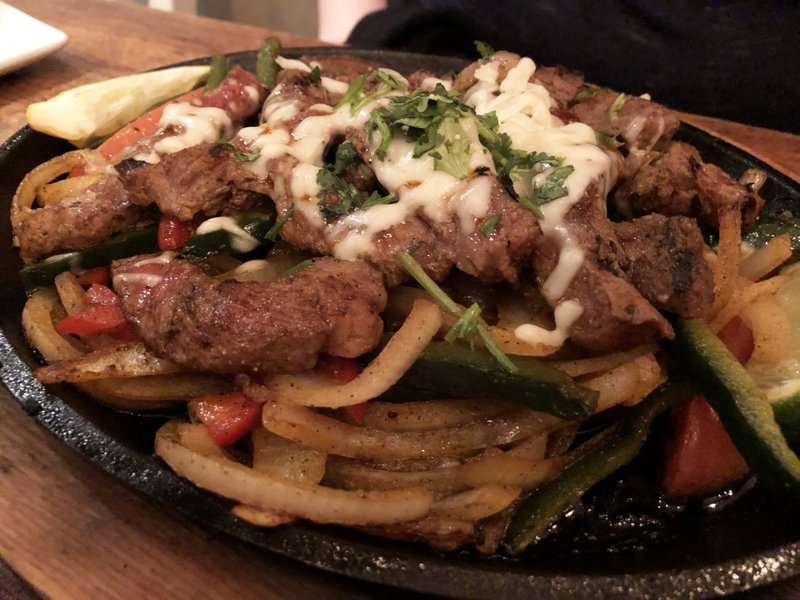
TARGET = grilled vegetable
(266,66)
(90,112)
(456,370)
(740,403)
(549,502)
(145,241)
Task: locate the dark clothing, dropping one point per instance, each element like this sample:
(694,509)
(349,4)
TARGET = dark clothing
(735,60)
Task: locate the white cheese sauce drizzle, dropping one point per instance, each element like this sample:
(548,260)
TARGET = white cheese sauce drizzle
(194,125)
(522,107)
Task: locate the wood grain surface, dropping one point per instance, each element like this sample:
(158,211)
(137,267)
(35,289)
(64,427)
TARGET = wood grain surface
(70,530)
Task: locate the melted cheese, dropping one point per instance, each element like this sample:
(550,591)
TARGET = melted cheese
(194,124)
(566,314)
(241,241)
(523,109)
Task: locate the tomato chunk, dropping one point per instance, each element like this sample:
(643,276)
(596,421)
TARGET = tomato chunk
(100,275)
(140,128)
(228,417)
(343,370)
(173,233)
(700,456)
(103,315)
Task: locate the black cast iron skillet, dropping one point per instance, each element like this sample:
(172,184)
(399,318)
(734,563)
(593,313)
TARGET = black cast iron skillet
(621,542)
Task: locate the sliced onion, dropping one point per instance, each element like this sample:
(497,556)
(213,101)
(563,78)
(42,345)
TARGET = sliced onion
(118,362)
(280,457)
(430,414)
(384,371)
(323,433)
(348,474)
(313,502)
(504,469)
(627,384)
(605,362)
(476,504)
(91,161)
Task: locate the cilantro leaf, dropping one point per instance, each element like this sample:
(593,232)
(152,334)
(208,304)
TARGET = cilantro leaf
(613,110)
(489,225)
(468,324)
(299,267)
(315,75)
(554,186)
(346,156)
(607,140)
(273,232)
(353,91)
(241,155)
(484,49)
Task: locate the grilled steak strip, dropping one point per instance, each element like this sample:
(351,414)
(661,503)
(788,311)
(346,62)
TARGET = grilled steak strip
(668,263)
(183,314)
(615,315)
(206,178)
(678,182)
(642,123)
(87,218)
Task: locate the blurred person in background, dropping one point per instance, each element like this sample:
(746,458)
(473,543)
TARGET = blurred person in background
(736,60)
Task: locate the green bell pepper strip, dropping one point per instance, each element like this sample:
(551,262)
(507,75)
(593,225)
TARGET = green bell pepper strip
(140,241)
(741,405)
(455,369)
(219,68)
(547,503)
(266,66)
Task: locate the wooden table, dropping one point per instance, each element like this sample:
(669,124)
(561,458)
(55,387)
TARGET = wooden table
(70,530)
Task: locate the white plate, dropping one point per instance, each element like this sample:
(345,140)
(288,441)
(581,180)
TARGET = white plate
(24,40)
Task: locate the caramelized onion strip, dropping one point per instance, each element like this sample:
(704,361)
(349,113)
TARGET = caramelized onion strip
(767,258)
(476,504)
(627,384)
(326,434)
(313,502)
(385,370)
(771,329)
(349,474)
(430,414)
(118,361)
(26,196)
(747,293)
(728,251)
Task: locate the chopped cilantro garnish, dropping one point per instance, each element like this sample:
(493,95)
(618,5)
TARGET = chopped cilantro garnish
(466,327)
(350,197)
(587,91)
(353,91)
(442,299)
(353,96)
(613,110)
(273,232)
(489,225)
(554,186)
(484,49)
(346,157)
(433,121)
(607,140)
(299,267)
(241,155)
(315,75)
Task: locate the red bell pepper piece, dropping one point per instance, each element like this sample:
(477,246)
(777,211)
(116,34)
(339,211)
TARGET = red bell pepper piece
(343,370)
(100,275)
(103,315)
(173,233)
(700,455)
(228,417)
